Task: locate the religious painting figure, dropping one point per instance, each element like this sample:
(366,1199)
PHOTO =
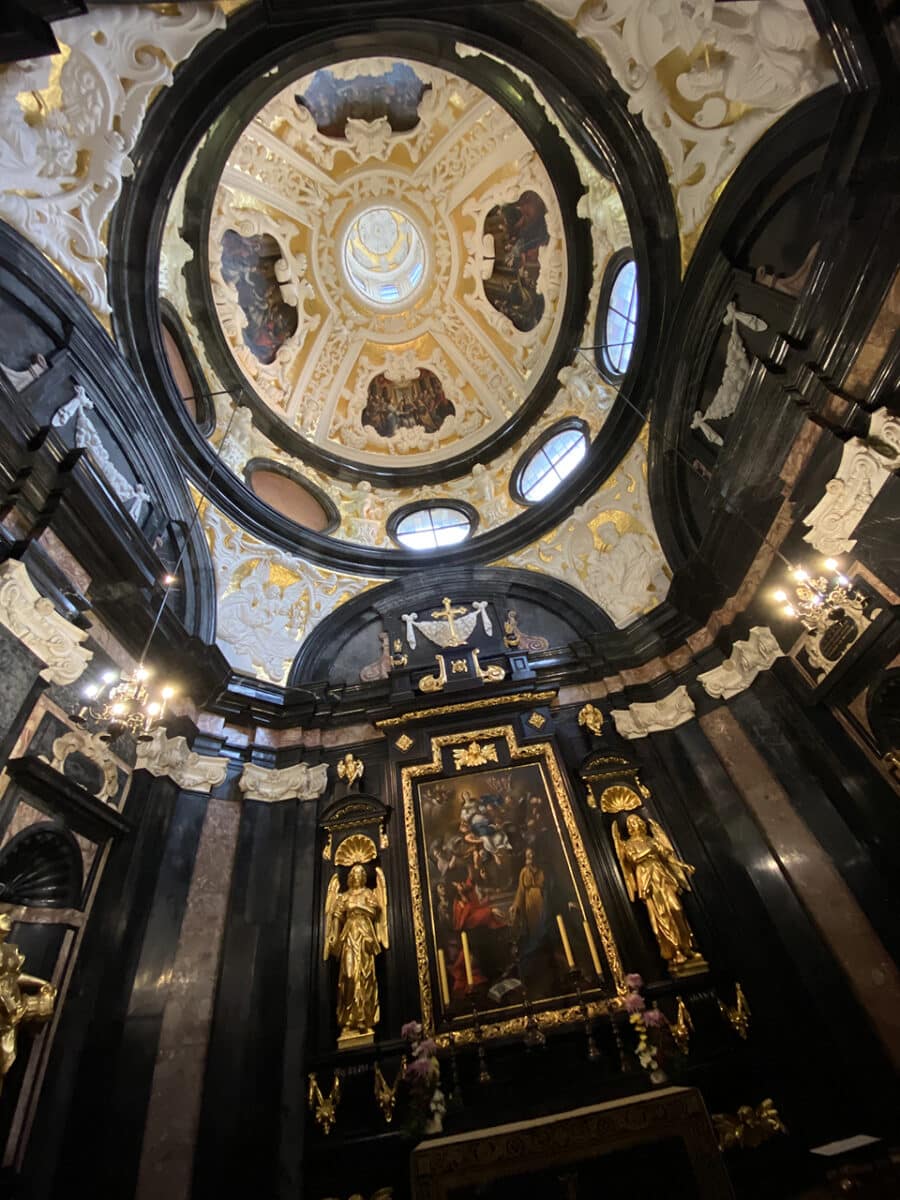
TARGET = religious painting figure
(23,998)
(518,231)
(395,94)
(653,873)
(393,405)
(249,265)
(355,934)
(498,872)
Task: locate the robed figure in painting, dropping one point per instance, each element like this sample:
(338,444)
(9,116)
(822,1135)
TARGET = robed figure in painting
(654,873)
(355,934)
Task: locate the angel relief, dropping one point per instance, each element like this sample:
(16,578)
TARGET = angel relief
(355,934)
(655,874)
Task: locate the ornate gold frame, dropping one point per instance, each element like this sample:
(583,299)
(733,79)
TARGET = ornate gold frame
(541,752)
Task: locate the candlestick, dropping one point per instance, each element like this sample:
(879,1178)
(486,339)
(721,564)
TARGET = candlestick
(595,958)
(565,942)
(442,972)
(467,957)
(593,1052)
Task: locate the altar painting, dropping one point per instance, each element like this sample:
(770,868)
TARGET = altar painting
(502,863)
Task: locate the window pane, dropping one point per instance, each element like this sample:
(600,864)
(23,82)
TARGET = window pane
(620,323)
(550,465)
(537,468)
(427,527)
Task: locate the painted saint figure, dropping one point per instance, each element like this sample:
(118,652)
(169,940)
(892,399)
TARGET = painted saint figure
(22,997)
(653,873)
(527,909)
(355,933)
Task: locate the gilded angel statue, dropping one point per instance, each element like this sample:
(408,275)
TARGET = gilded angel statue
(654,873)
(350,769)
(23,998)
(355,933)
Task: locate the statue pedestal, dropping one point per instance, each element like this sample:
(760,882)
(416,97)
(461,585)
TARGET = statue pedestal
(354,1039)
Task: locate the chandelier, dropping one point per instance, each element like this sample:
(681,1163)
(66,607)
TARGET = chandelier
(128,701)
(822,602)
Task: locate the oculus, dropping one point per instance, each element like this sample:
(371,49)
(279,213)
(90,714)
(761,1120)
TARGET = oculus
(394,94)
(406,403)
(384,256)
(618,311)
(518,231)
(431,526)
(547,465)
(250,266)
(283,491)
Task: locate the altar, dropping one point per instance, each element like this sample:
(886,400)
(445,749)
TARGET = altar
(655,1144)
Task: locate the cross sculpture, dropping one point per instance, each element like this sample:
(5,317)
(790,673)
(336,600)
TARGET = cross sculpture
(447,613)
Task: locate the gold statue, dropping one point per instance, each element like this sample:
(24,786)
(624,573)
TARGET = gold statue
(350,769)
(653,873)
(325,1106)
(750,1126)
(591,717)
(355,931)
(17,1005)
(737,1015)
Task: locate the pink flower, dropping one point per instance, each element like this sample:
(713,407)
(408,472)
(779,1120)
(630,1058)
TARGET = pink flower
(412,1031)
(634,982)
(654,1017)
(426,1049)
(634,1002)
(419,1068)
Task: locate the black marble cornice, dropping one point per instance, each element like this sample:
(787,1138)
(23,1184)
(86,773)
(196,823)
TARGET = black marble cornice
(60,797)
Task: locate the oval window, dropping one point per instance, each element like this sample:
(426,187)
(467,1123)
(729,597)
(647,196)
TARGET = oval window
(431,526)
(555,458)
(619,318)
(290,498)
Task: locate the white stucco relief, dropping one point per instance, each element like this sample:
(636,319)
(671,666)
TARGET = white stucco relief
(747,658)
(62,165)
(172,757)
(36,623)
(300,782)
(640,719)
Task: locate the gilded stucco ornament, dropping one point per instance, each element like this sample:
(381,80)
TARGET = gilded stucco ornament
(172,757)
(69,122)
(300,782)
(24,999)
(93,748)
(747,658)
(707,83)
(350,770)
(32,618)
(591,718)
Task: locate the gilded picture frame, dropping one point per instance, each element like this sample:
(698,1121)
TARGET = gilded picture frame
(511,781)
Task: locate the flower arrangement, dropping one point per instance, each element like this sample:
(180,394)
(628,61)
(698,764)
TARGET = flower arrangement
(642,1021)
(423,1078)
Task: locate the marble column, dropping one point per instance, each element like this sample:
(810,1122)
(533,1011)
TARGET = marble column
(167,1155)
(844,927)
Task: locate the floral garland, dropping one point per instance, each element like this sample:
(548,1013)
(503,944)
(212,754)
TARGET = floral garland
(423,1078)
(642,1020)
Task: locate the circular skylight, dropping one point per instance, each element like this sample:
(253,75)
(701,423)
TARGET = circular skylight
(384,256)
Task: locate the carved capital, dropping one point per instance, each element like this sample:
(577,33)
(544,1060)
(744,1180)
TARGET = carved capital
(34,621)
(172,757)
(742,666)
(300,782)
(637,720)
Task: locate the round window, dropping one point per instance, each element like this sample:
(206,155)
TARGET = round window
(550,463)
(430,527)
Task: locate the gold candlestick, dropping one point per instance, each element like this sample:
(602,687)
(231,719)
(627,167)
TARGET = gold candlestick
(442,973)
(595,958)
(564,938)
(467,957)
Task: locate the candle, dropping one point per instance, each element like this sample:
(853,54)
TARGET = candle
(467,957)
(442,971)
(565,942)
(593,949)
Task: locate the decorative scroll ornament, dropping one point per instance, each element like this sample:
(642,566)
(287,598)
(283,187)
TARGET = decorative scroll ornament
(300,782)
(493,673)
(172,757)
(515,639)
(747,659)
(757,61)
(749,1127)
(132,495)
(64,156)
(738,1014)
(639,719)
(385,1093)
(21,379)
(451,626)
(36,623)
(350,769)
(476,754)
(355,933)
(865,466)
(26,999)
(590,717)
(79,741)
(735,375)
(324,1107)
(654,874)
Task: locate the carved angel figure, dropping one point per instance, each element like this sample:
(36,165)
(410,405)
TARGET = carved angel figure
(350,769)
(653,873)
(355,933)
(22,997)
